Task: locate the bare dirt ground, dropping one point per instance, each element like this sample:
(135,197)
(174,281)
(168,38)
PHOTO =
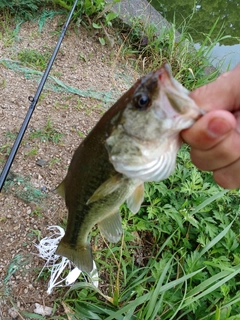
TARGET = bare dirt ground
(27,204)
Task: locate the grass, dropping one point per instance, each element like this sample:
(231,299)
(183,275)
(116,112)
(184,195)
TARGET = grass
(149,46)
(46,134)
(179,257)
(5,148)
(186,265)
(34,58)
(7,31)
(22,188)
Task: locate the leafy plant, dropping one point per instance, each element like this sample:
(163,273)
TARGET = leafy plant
(24,9)
(48,133)
(88,7)
(179,257)
(34,58)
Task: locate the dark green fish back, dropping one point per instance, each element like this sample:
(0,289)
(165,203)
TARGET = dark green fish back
(89,168)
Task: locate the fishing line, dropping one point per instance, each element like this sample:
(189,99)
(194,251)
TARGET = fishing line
(34,101)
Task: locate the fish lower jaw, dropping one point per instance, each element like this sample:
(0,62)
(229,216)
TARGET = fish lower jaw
(156,170)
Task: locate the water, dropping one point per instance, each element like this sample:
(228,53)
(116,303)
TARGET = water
(200,16)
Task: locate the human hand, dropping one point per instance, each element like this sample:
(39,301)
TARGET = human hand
(215,137)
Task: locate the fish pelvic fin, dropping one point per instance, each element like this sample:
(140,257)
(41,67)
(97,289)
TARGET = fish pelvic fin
(61,189)
(80,255)
(111,227)
(135,200)
(107,187)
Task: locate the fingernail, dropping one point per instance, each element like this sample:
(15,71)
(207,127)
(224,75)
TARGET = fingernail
(218,127)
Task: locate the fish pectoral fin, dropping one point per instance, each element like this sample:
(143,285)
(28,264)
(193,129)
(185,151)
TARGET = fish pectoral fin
(80,255)
(107,187)
(135,200)
(61,189)
(111,227)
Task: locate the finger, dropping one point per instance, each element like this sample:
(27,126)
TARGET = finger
(223,93)
(223,154)
(228,177)
(209,130)
(237,117)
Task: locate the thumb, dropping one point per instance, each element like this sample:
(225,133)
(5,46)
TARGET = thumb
(209,130)
(223,93)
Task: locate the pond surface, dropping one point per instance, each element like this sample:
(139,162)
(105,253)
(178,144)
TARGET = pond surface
(200,16)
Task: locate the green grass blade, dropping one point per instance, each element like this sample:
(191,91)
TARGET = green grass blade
(32,315)
(205,284)
(208,201)
(214,286)
(133,305)
(155,293)
(216,239)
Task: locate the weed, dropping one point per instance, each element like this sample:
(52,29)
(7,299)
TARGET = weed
(37,212)
(5,150)
(81,134)
(82,57)
(7,31)
(16,264)
(3,83)
(35,233)
(34,58)
(57,105)
(79,105)
(57,74)
(11,135)
(32,152)
(152,47)
(90,109)
(23,189)
(43,274)
(54,161)
(48,133)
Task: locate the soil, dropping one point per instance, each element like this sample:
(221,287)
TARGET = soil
(27,203)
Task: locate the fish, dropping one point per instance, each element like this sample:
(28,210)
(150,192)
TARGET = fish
(135,141)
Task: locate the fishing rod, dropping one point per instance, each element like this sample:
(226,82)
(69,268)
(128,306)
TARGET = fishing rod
(34,101)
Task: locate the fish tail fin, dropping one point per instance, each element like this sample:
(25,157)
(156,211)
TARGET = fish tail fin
(61,189)
(80,255)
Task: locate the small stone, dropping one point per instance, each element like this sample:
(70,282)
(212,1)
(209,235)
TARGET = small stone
(13,313)
(41,162)
(43,310)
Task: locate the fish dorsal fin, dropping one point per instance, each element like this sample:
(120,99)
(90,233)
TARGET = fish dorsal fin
(111,227)
(107,188)
(135,200)
(61,189)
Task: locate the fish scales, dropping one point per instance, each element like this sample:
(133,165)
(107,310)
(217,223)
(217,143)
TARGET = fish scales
(135,141)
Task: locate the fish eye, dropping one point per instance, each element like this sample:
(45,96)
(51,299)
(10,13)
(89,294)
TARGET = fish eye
(142,101)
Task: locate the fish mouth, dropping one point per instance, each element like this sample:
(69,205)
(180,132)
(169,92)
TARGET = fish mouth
(179,103)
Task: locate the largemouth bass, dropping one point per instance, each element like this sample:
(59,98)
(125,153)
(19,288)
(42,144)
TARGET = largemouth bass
(135,141)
